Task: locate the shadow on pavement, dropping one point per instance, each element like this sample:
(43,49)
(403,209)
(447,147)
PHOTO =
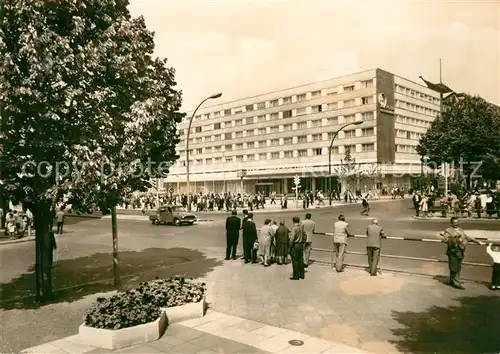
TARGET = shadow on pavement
(470,327)
(73,279)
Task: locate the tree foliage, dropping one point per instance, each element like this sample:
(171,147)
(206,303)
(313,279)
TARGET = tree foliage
(468,131)
(88,113)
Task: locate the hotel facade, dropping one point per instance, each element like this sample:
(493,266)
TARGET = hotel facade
(260,143)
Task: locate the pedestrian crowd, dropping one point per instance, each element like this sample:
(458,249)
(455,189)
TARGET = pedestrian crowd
(277,243)
(18,223)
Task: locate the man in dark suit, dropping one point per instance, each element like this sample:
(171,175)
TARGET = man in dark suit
(232,235)
(249,237)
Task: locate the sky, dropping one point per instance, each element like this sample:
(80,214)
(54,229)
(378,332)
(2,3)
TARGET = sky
(245,48)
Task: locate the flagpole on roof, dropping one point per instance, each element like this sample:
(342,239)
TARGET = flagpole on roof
(440,93)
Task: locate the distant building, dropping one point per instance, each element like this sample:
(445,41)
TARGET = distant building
(260,143)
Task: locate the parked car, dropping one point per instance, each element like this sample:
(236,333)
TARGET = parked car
(172,214)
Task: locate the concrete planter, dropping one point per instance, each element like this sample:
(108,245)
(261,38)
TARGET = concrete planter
(125,337)
(185,312)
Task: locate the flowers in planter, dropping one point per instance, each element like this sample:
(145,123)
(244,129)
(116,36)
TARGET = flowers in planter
(172,292)
(142,305)
(121,311)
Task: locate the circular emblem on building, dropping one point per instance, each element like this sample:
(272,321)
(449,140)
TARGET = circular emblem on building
(382,100)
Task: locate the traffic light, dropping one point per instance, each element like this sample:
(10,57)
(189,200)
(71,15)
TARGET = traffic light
(296,181)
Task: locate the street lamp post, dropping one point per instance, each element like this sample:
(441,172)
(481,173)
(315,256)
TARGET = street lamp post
(215,95)
(330,155)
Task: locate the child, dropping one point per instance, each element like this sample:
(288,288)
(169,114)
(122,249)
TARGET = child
(494,251)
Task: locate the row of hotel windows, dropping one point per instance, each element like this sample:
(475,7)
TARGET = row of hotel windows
(348,134)
(408,135)
(416,94)
(365,116)
(412,121)
(416,108)
(289,154)
(285,114)
(286,100)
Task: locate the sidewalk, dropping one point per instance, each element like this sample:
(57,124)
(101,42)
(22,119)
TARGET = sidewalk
(391,313)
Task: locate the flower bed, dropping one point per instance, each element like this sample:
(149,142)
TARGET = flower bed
(142,314)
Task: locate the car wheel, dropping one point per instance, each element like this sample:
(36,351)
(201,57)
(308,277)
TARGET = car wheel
(191,223)
(177,222)
(155,222)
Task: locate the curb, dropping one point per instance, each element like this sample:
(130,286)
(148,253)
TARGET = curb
(433,218)
(29,239)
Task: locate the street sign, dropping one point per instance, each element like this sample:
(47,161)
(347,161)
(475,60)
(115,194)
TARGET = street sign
(171,190)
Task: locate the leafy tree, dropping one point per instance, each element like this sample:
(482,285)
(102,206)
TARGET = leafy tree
(89,115)
(468,131)
(350,170)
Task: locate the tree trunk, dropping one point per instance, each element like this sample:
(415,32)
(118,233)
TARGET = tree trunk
(44,249)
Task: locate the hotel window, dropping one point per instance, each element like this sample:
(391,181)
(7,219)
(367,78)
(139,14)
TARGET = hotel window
(288,154)
(349,118)
(316,123)
(198,151)
(287,114)
(275,155)
(273,103)
(250,132)
(349,103)
(335,149)
(181,132)
(216,137)
(368,116)
(351,148)
(316,109)
(401,134)
(349,133)
(239,158)
(300,111)
(218,160)
(249,121)
(302,125)
(251,157)
(262,156)
(261,119)
(227,112)
(349,88)
(205,116)
(315,94)
(332,92)
(317,137)
(227,136)
(302,153)
(367,100)
(249,107)
(216,126)
(262,143)
(250,145)
(228,159)
(217,114)
(238,122)
(275,142)
(217,148)
(262,131)
(287,127)
(261,105)
(274,129)
(301,97)
(197,129)
(239,146)
(333,120)
(368,147)
(208,161)
(287,100)
(275,115)
(367,84)
(318,151)
(287,141)
(368,131)
(238,134)
(228,147)
(302,139)
(198,162)
(198,117)
(333,106)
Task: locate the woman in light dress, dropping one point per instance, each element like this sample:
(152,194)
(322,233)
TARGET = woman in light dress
(424,205)
(265,241)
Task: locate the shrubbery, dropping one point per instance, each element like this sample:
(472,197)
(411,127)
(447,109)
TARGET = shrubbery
(142,305)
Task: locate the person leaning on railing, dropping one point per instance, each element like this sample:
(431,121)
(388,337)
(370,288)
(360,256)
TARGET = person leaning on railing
(456,239)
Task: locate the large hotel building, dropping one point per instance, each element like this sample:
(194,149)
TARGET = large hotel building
(260,143)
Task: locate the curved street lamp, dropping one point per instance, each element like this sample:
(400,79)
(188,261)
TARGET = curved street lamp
(215,95)
(330,153)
